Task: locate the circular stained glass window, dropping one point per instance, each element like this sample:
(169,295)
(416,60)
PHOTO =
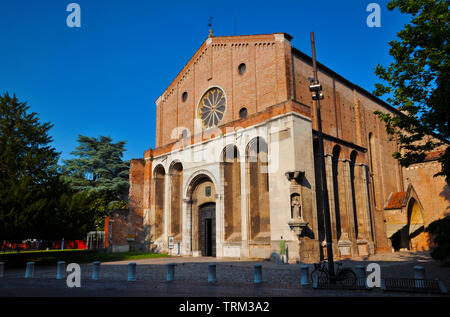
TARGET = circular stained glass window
(212,107)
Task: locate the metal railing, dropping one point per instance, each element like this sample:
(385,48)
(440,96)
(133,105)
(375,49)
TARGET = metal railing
(413,285)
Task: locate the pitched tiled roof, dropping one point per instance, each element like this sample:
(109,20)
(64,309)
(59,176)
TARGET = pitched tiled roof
(396,201)
(434,155)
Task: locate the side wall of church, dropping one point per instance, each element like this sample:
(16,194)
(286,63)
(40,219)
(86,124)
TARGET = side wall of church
(433,192)
(348,122)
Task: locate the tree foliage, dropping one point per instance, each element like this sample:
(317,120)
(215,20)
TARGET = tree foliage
(99,170)
(34,202)
(417,83)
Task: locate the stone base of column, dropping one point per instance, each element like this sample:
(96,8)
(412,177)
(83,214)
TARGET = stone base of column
(345,248)
(363,247)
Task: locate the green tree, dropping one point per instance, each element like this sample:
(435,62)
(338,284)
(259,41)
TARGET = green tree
(100,171)
(28,168)
(417,83)
(34,202)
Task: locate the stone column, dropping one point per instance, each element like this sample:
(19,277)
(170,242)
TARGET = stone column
(244,208)
(166,216)
(364,220)
(346,210)
(351,230)
(152,212)
(220,220)
(146,201)
(186,248)
(330,187)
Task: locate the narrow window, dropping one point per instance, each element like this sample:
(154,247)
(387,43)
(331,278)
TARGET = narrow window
(243,113)
(184,96)
(241,69)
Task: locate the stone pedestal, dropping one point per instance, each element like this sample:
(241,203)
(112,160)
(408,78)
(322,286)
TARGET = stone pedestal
(363,247)
(298,226)
(345,246)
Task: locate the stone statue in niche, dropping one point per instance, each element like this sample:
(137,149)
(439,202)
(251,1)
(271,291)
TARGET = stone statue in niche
(296,206)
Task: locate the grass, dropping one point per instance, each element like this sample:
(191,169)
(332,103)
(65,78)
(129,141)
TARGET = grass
(19,259)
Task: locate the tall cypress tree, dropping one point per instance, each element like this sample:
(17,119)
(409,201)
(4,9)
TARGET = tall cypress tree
(28,171)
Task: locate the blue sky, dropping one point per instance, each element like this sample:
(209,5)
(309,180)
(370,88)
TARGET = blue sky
(103,78)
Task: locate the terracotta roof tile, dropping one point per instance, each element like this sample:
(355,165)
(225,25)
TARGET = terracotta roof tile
(434,155)
(396,201)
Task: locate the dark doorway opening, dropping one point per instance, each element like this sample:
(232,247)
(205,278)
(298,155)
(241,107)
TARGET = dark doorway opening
(207,225)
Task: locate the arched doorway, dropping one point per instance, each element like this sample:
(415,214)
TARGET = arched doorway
(411,236)
(207,229)
(416,235)
(201,195)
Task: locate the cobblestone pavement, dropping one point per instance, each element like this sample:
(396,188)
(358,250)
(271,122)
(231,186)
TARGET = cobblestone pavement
(234,278)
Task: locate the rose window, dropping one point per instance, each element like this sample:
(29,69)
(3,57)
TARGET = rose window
(212,107)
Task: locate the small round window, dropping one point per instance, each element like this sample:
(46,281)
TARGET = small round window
(243,113)
(184,96)
(241,69)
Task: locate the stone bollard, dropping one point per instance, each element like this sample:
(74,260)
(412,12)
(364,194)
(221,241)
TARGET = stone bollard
(419,276)
(212,273)
(304,273)
(61,270)
(131,272)
(258,274)
(29,272)
(2,269)
(96,271)
(170,276)
(315,281)
(361,276)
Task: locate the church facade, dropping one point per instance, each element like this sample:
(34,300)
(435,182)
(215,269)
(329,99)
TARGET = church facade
(234,170)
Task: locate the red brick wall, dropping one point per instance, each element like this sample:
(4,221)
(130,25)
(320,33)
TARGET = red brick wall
(264,83)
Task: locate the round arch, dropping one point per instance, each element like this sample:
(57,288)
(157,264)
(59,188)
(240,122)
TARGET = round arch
(175,166)
(256,145)
(336,152)
(415,216)
(229,153)
(197,178)
(159,170)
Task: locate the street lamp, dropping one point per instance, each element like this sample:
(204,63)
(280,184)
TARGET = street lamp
(316,89)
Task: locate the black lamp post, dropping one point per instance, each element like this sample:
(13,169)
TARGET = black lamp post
(316,89)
